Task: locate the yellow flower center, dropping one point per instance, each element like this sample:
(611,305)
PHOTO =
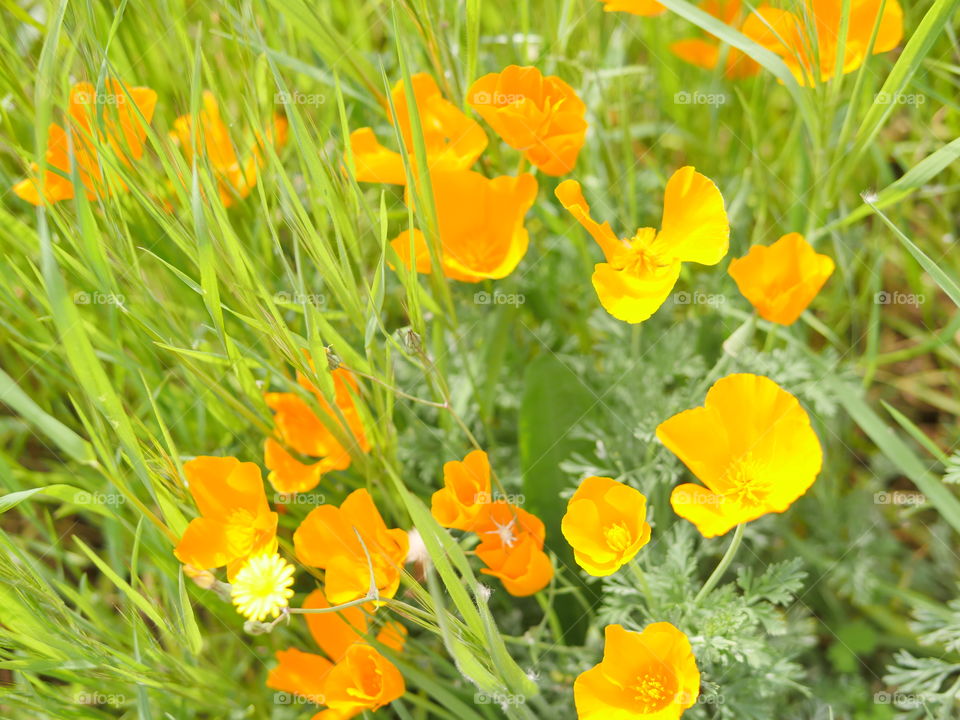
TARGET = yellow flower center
(640,256)
(240,532)
(262,587)
(747,481)
(654,690)
(617,537)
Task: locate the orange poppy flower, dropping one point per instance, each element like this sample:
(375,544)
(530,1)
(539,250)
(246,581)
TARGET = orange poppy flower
(809,41)
(327,539)
(118,120)
(705,53)
(363,680)
(305,674)
(235,522)
(750,444)
(541,116)
(465,493)
(480,221)
(335,632)
(300,429)
(781,280)
(451,139)
(650,674)
(605,524)
(512,548)
(645,8)
(236,178)
(640,273)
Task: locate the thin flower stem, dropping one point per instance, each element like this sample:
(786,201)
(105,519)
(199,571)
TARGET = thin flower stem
(396,391)
(551,617)
(772,335)
(335,608)
(723,565)
(641,579)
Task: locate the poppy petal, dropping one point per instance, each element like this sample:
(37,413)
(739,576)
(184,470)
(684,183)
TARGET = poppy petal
(695,226)
(633,298)
(571,197)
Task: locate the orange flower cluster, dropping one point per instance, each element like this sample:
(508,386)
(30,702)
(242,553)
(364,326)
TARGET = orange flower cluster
(300,429)
(480,220)
(751,445)
(126,111)
(640,273)
(753,448)
(511,539)
(351,543)
(351,676)
(116,118)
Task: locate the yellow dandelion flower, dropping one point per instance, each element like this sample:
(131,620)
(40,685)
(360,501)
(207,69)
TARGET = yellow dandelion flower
(262,587)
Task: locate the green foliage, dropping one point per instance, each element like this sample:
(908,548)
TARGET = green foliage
(141,330)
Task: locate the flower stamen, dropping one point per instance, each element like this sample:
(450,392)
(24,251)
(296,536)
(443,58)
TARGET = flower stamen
(653,690)
(748,483)
(505,532)
(617,537)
